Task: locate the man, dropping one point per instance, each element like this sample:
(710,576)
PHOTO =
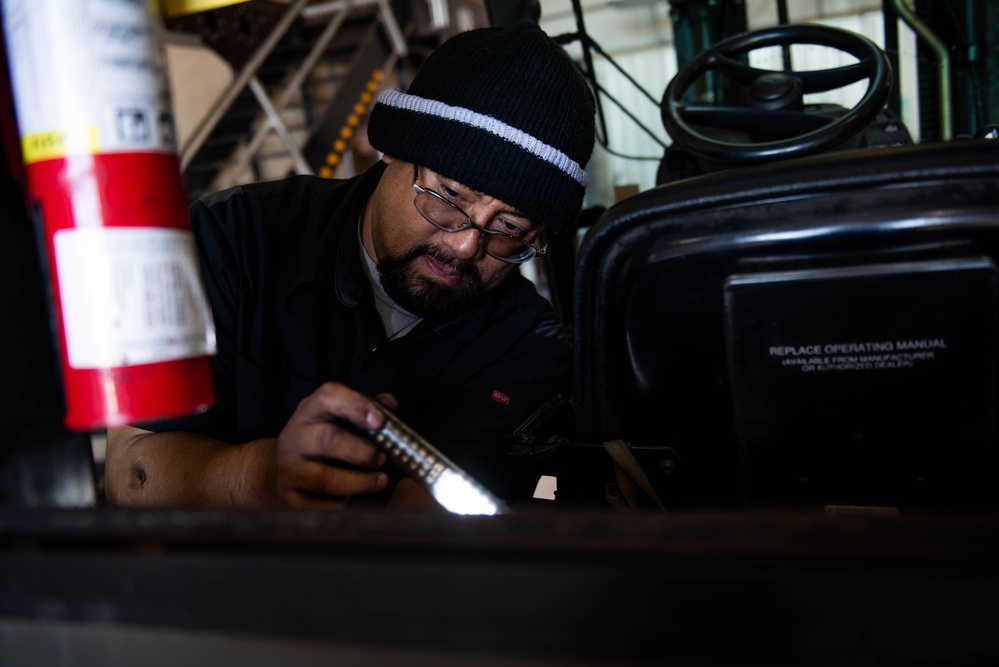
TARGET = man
(400,284)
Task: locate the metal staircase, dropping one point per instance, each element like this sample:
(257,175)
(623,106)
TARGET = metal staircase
(306,74)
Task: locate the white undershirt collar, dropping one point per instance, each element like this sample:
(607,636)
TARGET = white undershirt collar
(397,320)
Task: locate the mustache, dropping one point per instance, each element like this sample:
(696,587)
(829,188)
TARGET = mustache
(444,257)
(424,296)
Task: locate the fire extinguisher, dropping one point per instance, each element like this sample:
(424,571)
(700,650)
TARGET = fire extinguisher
(103,179)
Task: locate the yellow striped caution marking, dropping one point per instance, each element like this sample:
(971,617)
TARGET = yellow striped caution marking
(340,144)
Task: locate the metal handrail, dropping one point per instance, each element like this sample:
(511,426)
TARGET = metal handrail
(274,120)
(284,98)
(247,77)
(219,109)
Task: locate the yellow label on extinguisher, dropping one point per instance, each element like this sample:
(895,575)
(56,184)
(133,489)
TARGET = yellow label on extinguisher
(59,143)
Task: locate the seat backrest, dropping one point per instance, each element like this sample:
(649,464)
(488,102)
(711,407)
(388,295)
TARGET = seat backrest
(819,331)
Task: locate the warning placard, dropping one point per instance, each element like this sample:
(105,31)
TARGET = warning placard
(866,356)
(862,359)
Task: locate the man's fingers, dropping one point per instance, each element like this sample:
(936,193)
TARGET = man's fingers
(322,452)
(327,440)
(389,401)
(326,425)
(336,401)
(317,479)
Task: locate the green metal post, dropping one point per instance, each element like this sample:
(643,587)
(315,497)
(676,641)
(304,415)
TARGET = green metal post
(698,25)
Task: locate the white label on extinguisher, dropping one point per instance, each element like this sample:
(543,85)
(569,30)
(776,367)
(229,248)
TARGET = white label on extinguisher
(89,76)
(131,295)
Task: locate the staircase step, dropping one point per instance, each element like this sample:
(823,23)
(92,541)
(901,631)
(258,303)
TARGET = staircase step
(313,116)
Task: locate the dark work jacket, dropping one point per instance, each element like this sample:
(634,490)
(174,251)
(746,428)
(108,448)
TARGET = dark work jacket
(282,271)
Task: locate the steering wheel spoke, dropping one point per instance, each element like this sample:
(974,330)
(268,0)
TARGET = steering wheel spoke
(735,70)
(774,124)
(821,81)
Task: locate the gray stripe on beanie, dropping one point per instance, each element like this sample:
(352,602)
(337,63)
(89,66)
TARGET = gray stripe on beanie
(531,144)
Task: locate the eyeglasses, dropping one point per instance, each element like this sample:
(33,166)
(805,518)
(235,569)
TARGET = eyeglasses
(446,216)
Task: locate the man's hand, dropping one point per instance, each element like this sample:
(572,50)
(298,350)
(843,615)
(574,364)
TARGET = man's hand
(320,459)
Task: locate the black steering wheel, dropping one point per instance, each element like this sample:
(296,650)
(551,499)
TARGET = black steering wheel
(773,100)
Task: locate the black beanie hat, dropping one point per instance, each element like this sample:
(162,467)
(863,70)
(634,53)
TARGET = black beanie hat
(503,111)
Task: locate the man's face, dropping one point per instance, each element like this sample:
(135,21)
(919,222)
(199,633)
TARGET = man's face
(425,270)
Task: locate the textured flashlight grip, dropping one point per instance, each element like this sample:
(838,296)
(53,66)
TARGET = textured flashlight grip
(409,450)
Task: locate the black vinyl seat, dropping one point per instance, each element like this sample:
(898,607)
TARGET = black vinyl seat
(817,332)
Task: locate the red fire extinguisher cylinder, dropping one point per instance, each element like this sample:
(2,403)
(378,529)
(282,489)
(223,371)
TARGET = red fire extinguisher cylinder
(134,330)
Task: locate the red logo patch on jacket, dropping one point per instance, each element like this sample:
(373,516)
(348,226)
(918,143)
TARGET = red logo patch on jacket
(500,397)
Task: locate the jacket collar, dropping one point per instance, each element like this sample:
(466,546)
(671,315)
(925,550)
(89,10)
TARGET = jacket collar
(338,240)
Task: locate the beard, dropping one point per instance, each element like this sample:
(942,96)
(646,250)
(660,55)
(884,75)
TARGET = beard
(426,297)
